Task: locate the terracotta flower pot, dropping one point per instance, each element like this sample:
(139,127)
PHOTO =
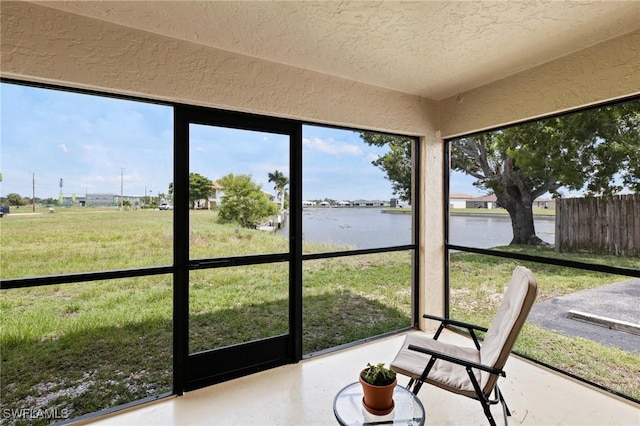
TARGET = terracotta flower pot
(378,400)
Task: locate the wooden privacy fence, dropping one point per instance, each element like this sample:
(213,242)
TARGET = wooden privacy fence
(599,225)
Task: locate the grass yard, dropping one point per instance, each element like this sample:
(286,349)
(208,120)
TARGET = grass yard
(84,347)
(89,346)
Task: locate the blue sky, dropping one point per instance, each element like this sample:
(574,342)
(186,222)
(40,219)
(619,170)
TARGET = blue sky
(95,143)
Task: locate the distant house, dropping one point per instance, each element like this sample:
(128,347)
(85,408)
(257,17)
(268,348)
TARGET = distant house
(98,200)
(343,203)
(458,200)
(214,199)
(324,204)
(368,203)
(307,203)
(544,203)
(490,202)
(397,203)
(483,202)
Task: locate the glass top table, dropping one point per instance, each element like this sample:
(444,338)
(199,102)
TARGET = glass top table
(348,408)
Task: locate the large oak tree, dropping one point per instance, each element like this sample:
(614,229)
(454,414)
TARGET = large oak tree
(595,151)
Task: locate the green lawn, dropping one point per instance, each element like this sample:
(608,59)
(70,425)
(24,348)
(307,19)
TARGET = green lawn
(87,346)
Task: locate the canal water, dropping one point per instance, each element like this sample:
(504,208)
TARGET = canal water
(486,232)
(364,228)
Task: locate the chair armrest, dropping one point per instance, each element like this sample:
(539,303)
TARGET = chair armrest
(456,360)
(447,321)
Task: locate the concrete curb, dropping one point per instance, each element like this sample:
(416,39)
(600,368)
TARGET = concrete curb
(605,322)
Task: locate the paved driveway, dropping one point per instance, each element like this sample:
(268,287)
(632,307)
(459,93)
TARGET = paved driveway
(619,301)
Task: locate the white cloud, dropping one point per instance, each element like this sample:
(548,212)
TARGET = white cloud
(63,148)
(331,147)
(372,157)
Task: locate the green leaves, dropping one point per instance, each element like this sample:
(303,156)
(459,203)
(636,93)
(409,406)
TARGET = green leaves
(597,151)
(14,199)
(243,202)
(396,163)
(199,187)
(378,375)
(280,181)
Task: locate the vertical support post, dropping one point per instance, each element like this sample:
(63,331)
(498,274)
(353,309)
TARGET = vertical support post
(180,250)
(295,242)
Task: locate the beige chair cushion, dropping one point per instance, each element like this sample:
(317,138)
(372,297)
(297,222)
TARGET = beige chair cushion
(506,325)
(444,374)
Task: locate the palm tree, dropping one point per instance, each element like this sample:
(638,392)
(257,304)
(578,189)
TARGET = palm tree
(280,181)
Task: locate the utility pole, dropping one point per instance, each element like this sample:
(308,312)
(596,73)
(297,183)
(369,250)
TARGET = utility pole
(33,199)
(121,187)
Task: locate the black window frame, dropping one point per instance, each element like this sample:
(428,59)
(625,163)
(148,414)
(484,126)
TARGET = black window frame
(629,272)
(181,265)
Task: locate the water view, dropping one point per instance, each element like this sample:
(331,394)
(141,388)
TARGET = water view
(486,232)
(364,228)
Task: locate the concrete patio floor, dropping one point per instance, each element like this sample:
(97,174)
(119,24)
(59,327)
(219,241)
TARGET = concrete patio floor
(302,394)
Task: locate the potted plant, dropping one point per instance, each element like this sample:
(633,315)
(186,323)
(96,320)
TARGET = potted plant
(378,383)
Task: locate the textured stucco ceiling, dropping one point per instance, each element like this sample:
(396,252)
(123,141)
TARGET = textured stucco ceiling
(434,49)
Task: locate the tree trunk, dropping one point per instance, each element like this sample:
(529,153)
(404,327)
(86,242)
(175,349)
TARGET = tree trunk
(518,201)
(521,212)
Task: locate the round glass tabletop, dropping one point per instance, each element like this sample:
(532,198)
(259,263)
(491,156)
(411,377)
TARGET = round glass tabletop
(348,408)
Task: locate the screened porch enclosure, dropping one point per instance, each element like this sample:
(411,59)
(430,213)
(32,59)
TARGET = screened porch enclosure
(273,76)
